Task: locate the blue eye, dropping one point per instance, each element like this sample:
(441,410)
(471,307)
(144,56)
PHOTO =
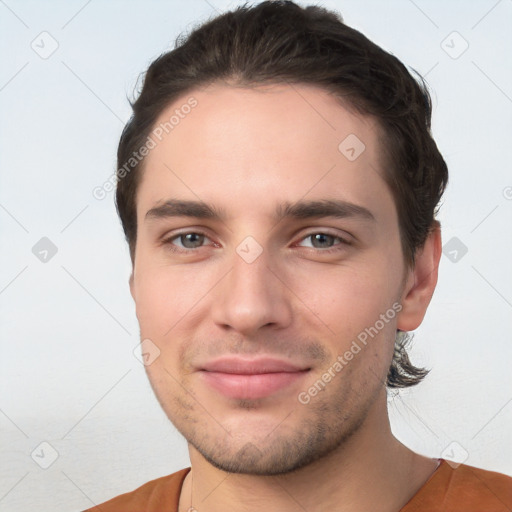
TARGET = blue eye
(321,240)
(189,241)
(325,241)
(193,239)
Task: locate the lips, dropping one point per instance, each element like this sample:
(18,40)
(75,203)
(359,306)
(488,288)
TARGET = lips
(250,366)
(251,379)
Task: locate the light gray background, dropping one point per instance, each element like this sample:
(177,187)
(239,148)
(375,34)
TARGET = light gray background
(69,377)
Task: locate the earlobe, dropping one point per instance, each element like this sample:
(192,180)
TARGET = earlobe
(421,282)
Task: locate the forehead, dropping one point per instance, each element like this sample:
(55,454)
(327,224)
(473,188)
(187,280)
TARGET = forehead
(253,148)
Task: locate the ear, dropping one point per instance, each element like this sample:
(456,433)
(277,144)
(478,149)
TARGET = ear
(420,282)
(132,287)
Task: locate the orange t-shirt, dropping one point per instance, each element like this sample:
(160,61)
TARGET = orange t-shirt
(460,489)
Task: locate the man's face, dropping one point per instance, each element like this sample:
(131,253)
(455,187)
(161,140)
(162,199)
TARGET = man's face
(253,308)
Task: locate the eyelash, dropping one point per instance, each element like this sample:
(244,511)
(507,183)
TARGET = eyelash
(169,242)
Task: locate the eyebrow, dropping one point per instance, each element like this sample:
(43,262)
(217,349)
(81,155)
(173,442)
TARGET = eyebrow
(298,210)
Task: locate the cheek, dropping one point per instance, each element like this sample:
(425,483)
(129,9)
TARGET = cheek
(168,296)
(347,298)
(157,302)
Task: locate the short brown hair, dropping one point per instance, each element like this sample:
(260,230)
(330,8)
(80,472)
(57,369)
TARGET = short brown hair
(281,42)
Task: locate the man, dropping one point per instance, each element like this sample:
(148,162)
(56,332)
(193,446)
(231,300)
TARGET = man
(278,187)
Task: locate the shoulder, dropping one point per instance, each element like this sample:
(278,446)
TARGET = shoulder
(463,488)
(155,495)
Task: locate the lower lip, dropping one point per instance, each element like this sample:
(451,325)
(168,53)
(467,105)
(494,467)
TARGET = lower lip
(251,387)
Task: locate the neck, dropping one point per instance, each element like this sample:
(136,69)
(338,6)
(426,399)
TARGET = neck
(372,470)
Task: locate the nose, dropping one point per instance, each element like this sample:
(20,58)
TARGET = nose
(251,296)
